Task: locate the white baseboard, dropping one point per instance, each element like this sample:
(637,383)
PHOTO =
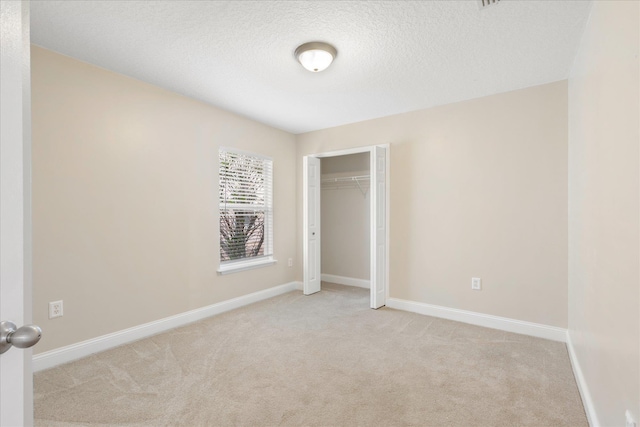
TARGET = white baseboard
(61,355)
(347,281)
(480,319)
(589,408)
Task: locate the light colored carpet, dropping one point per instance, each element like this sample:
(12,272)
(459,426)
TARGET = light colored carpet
(321,360)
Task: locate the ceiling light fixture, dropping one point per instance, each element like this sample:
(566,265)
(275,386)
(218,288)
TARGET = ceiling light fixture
(315,56)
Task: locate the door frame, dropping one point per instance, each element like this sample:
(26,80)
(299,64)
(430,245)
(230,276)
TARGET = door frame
(372,211)
(16,377)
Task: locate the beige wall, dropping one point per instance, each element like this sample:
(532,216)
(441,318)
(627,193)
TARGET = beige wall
(478,189)
(125,200)
(604,280)
(345,218)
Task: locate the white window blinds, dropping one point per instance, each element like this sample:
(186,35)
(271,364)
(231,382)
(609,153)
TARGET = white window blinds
(246,210)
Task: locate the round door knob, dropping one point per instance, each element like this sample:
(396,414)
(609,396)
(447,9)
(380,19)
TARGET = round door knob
(23,337)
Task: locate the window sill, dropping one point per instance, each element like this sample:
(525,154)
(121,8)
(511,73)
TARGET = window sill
(236,267)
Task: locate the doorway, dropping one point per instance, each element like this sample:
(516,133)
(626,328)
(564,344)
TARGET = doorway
(376,188)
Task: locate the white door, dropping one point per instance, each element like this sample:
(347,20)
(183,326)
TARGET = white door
(379,231)
(16,407)
(311,225)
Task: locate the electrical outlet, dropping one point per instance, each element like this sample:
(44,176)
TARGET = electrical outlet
(55,309)
(290,264)
(476,283)
(630,422)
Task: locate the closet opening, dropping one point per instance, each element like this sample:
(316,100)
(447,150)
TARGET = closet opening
(345,220)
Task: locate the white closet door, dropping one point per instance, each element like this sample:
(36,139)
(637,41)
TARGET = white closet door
(379,231)
(311,217)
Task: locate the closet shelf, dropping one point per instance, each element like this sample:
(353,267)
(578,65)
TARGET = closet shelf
(346,182)
(346,178)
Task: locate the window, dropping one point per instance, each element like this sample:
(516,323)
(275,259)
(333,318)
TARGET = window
(246,211)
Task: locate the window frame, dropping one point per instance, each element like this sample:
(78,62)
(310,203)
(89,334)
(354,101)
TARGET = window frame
(242,264)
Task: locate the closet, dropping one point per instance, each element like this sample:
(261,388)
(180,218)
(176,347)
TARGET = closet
(345,215)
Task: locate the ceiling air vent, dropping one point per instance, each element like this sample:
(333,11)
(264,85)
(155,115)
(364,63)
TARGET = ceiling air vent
(487,3)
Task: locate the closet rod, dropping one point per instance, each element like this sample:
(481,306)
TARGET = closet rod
(346,178)
(349,180)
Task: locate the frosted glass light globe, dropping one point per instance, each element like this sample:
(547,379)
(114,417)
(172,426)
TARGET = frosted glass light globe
(315,60)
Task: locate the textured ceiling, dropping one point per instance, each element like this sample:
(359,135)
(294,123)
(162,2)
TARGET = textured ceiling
(393,56)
